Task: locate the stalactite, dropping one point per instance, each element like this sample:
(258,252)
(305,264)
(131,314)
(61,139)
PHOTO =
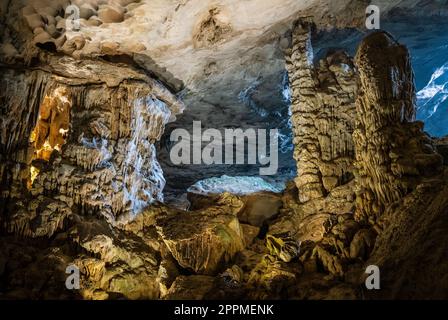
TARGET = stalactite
(86,141)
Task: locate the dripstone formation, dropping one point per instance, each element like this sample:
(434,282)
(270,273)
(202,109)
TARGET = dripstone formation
(393,153)
(83,141)
(322,116)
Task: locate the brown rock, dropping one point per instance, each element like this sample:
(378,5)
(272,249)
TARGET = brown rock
(194,287)
(86,11)
(260,207)
(362,244)
(34,21)
(283,247)
(249,233)
(111,48)
(392,151)
(110,14)
(322,115)
(203,241)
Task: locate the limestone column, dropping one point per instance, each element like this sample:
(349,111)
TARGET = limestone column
(322,115)
(392,151)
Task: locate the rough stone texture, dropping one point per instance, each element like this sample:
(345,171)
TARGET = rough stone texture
(112,263)
(392,151)
(249,233)
(311,220)
(205,240)
(58,174)
(160,36)
(411,250)
(332,239)
(90,144)
(258,209)
(442,148)
(194,287)
(322,116)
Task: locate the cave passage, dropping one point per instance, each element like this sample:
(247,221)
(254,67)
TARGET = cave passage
(264,104)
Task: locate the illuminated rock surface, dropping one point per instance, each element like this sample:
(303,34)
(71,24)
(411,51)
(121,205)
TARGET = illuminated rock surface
(322,116)
(83,117)
(393,154)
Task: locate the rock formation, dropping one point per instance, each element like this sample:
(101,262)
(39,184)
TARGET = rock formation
(206,240)
(87,142)
(322,116)
(393,154)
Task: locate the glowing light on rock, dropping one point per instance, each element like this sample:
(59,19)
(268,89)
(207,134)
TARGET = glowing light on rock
(51,128)
(34,172)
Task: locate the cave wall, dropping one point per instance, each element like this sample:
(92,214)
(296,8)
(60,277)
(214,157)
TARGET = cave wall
(84,143)
(77,139)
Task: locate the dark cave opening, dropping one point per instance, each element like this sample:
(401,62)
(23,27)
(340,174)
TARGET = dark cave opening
(265,105)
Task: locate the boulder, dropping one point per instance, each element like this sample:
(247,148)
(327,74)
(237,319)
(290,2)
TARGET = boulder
(260,207)
(203,241)
(109,14)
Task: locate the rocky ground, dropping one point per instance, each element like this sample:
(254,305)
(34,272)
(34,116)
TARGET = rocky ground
(228,248)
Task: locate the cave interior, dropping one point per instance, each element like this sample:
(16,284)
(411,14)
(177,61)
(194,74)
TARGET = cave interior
(93,91)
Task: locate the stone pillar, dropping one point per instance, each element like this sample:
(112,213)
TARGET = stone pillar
(322,115)
(392,152)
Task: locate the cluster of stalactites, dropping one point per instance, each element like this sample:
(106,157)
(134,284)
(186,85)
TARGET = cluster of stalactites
(89,146)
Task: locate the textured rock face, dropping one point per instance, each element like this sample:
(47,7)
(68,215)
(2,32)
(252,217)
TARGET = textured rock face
(82,142)
(112,263)
(258,207)
(78,162)
(322,116)
(165,31)
(392,152)
(206,240)
(332,238)
(217,49)
(417,267)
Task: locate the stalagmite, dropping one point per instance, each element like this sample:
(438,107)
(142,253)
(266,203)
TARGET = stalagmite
(90,91)
(392,152)
(322,115)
